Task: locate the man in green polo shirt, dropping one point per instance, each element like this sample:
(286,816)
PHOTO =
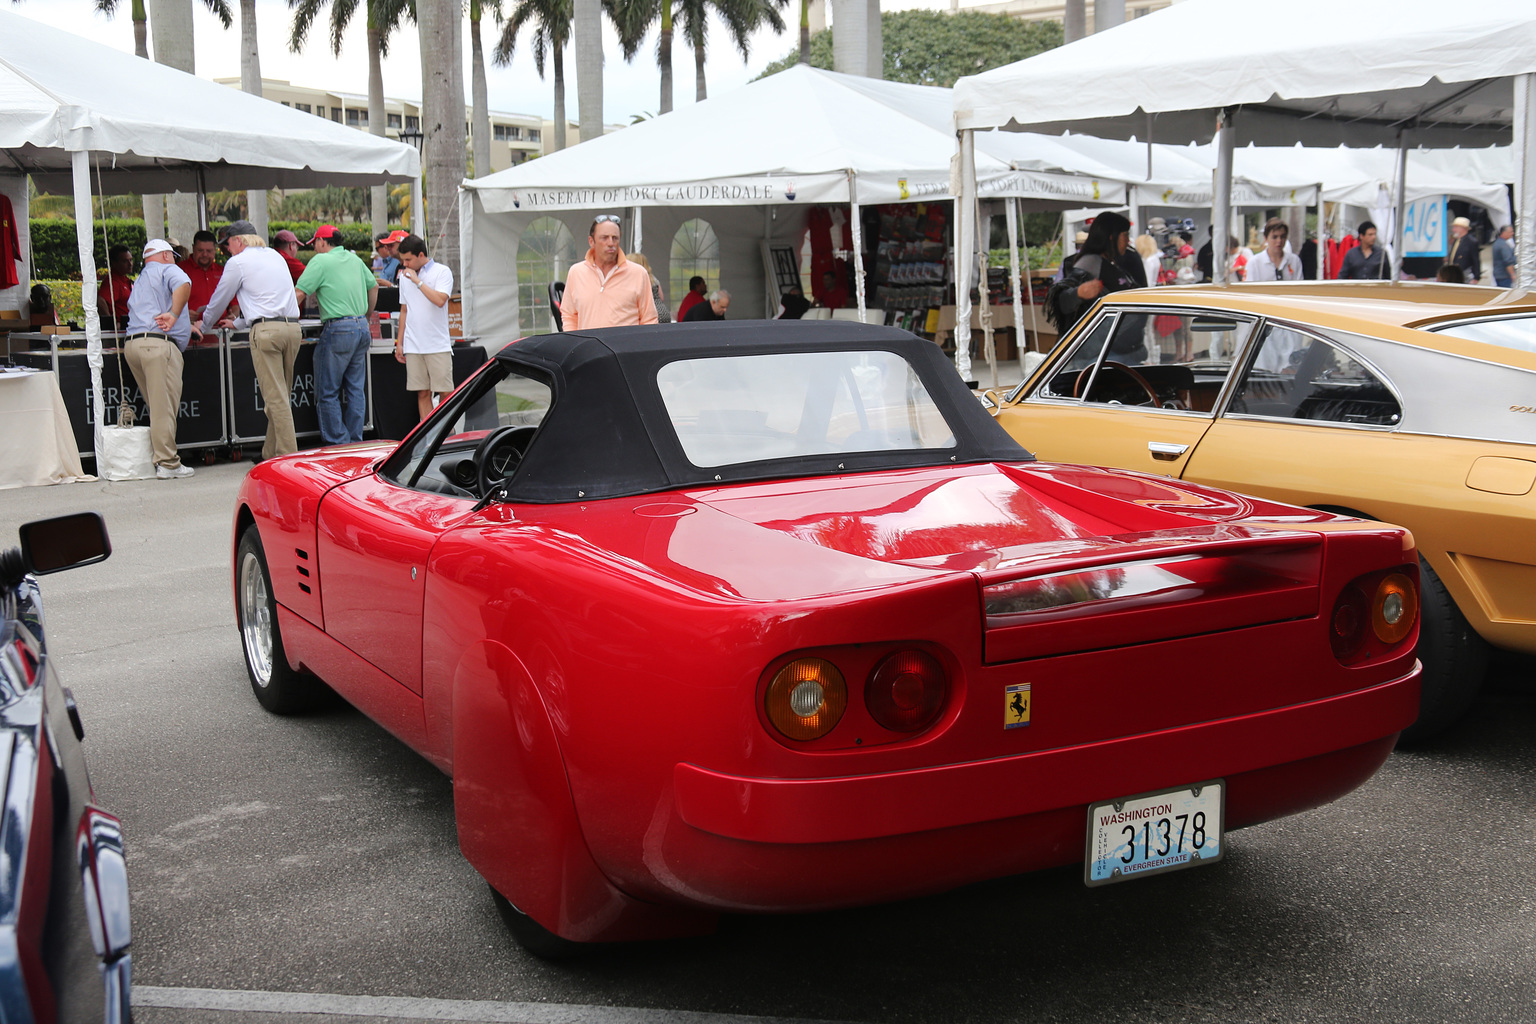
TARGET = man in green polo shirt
(346,290)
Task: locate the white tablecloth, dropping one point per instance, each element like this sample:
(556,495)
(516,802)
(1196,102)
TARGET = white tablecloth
(37,444)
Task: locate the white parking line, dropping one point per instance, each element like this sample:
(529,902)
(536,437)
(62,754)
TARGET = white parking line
(406,1008)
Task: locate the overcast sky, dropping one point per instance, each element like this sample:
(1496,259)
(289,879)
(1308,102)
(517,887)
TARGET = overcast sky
(628,89)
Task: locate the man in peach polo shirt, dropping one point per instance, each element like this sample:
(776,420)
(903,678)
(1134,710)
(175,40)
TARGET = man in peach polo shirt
(605,289)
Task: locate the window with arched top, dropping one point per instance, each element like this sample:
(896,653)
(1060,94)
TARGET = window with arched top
(695,253)
(545,253)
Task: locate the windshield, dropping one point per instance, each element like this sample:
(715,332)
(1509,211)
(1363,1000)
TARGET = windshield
(1516,331)
(735,409)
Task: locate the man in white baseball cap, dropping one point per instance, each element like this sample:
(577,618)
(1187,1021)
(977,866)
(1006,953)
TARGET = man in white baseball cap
(159,329)
(1464,251)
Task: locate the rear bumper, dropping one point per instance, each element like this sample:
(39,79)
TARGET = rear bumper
(840,810)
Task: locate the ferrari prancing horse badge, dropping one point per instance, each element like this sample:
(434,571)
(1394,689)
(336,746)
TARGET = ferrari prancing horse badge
(1016,706)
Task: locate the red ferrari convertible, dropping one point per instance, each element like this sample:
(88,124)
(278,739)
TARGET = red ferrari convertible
(772,616)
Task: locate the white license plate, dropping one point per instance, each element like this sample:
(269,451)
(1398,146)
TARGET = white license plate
(1154,833)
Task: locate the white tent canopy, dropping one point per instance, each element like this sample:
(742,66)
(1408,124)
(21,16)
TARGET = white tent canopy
(78,116)
(167,130)
(1363,73)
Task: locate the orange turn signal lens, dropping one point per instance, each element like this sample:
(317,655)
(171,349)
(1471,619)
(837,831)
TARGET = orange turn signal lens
(1395,608)
(806,698)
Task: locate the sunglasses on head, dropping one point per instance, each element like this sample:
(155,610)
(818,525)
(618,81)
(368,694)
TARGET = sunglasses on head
(610,218)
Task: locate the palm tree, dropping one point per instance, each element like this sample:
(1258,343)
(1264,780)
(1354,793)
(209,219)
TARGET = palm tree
(480,114)
(383,19)
(741,17)
(551,23)
(805,31)
(140,23)
(587,32)
(442,123)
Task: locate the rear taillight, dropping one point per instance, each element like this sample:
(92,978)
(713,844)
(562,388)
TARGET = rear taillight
(1374,614)
(906,691)
(806,698)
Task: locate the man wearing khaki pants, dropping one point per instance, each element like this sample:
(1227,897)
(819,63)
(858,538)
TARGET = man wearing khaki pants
(259,278)
(159,329)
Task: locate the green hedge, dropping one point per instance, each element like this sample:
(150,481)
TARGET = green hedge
(55,256)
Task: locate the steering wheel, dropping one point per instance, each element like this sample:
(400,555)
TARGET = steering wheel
(499,452)
(1110,364)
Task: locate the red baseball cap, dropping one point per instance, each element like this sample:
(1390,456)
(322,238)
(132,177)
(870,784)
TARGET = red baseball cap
(328,232)
(397,236)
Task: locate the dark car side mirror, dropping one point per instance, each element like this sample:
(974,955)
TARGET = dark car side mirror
(53,545)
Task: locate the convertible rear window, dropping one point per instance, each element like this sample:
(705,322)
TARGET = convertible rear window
(728,410)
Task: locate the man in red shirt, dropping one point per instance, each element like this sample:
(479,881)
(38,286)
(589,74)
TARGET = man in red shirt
(697,289)
(833,295)
(204,270)
(287,245)
(112,296)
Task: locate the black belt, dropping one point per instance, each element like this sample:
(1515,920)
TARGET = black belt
(276,319)
(331,320)
(151,334)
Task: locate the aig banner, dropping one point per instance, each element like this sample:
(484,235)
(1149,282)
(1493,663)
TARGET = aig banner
(1424,227)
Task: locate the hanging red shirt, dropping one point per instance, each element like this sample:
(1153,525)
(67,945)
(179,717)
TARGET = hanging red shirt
(10,247)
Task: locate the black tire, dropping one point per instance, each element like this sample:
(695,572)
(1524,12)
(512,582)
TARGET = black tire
(534,937)
(1455,660)
(279,688)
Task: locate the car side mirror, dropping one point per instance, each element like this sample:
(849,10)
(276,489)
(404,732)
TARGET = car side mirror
(53,545)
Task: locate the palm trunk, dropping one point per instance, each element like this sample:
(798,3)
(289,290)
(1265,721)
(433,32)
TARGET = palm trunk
(173,48)
(587,30)
(480,129)
(443,125)
(140,30)
(664,57)
(699,92)
(805,31)
(378,212)
(559,55)
(250,82)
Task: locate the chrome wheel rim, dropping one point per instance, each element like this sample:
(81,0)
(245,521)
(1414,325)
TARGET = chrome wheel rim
(256,619)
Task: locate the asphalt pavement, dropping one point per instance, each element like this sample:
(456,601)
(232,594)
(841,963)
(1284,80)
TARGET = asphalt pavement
(307,869)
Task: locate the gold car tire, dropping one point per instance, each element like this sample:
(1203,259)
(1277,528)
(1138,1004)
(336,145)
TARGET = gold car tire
(1455,660)
(278,686)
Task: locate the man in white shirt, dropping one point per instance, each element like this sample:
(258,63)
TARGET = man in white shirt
(259,278)
(1274,263)
(423,343)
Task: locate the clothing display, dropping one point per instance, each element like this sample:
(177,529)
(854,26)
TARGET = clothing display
(10,246)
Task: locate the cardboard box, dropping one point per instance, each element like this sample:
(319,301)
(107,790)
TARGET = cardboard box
(456,316)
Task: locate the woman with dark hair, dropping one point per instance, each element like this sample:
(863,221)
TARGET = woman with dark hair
(1093,272)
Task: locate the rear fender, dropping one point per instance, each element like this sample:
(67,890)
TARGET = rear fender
(516,819)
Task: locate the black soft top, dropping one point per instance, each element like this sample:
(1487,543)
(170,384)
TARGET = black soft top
(607,433)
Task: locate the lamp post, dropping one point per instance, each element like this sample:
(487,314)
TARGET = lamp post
(416,139)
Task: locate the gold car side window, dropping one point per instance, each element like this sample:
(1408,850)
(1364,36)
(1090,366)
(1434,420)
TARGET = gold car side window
(1081,360)
(1298,376)
(1176,360)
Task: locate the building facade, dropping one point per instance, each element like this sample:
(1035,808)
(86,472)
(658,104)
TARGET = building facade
(514,137)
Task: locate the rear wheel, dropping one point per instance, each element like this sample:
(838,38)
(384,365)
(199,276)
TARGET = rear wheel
(534,937)
(1455,660)
(279,688)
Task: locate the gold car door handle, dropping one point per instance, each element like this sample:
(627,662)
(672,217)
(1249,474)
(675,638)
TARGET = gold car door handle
(1166,450)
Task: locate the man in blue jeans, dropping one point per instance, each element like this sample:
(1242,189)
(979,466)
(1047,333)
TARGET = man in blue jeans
(346,290)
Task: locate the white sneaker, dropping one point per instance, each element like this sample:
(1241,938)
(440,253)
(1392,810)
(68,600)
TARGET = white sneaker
(167,473)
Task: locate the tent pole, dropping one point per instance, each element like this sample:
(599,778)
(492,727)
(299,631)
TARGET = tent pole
(1322,235)
(1221,209)
(965,250)
(1400,201)
(858,240)
(1525,180)
(202,201)
(1019,283)
(635,236)
(80,165)
(418,209)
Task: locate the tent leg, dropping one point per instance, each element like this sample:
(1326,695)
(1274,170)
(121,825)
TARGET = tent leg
(1400,203)
(80,165)
(1221,209)
(1322,235)
(1525,180)
(636,236)
(418,209)
(1019,283)
(965,252)
(857,261)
